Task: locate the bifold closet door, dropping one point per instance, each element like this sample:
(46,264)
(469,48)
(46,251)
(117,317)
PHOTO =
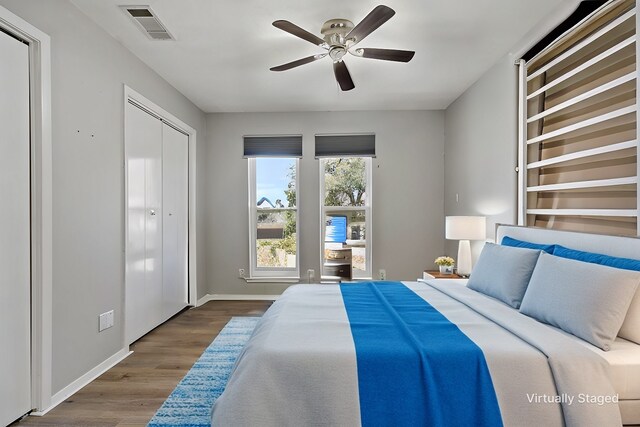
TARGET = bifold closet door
(15,235)
(175,190)
(143,145)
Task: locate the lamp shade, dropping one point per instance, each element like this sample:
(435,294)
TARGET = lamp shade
(465,227)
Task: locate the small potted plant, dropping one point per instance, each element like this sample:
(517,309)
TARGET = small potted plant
(445,263)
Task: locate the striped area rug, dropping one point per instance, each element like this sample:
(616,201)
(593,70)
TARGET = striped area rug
(190,402)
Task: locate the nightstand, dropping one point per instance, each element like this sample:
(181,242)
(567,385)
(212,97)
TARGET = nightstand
(337,265)
(437,275)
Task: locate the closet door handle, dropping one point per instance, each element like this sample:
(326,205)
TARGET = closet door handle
(152,212)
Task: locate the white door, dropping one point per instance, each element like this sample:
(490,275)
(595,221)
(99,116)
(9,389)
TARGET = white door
(15,245)
(143,153)
(175,190)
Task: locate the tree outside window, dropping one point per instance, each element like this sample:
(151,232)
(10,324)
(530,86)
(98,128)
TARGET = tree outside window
(346,184)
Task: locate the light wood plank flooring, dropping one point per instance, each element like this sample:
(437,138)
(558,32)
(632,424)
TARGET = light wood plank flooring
(131,392)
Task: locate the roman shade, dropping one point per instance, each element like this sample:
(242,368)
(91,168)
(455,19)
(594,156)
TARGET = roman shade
(578,166)
(273,146)
(354,145)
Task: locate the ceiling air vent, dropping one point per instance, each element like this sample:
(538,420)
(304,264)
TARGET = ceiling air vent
(148,22)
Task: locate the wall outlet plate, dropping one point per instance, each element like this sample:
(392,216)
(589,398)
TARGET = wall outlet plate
(241,273)
(382,274)
(311,274)
(106,320)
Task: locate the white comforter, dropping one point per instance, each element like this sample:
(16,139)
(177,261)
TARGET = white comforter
(299,367)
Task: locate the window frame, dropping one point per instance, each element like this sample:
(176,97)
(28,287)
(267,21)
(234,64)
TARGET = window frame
(270,272)
(367,208)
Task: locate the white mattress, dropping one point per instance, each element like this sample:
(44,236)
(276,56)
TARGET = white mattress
(624,358)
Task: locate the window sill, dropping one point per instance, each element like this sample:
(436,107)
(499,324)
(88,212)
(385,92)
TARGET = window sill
(272,279)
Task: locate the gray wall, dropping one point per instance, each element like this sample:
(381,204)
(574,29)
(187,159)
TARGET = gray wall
(408,222)
(481,150)
(88,71)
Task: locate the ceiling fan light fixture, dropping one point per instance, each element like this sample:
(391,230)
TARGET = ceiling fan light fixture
(340,35)
(337,52)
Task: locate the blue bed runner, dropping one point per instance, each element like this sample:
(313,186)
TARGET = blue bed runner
(415,367)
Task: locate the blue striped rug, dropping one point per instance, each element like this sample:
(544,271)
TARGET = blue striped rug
(190,402)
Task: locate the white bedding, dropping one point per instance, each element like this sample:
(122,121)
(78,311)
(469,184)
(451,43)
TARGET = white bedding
(624,359)
(624,356)
(299,367)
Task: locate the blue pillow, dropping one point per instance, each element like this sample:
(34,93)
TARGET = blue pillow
(510,241)
(594,258)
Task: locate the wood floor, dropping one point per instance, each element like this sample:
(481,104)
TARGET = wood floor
(131,392)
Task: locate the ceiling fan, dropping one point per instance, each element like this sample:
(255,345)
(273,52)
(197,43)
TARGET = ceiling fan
(340,37)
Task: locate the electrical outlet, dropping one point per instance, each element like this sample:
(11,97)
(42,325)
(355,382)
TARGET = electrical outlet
(106,320)
(241,273)
(311,274)
(382,274)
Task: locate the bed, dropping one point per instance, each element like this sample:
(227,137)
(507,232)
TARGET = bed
(434,353)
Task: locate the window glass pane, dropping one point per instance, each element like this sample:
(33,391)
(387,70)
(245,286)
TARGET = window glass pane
(347,230)
(345,182)
(276,182)
(276,238)
(275,200)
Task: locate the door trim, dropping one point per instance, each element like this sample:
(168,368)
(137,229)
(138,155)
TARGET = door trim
(139,100)
(41,203)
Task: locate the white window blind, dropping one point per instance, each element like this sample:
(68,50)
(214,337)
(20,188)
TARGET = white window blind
(578,127)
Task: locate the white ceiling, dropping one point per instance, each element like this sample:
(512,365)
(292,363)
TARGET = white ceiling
(224,50)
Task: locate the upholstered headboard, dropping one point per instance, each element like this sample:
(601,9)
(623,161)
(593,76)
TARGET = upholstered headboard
(619,246)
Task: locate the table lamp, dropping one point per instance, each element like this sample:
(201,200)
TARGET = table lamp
(464,229)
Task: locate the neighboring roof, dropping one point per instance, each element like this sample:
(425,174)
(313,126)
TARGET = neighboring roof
(263,200)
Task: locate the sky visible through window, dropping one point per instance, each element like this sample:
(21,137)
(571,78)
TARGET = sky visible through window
(272,178)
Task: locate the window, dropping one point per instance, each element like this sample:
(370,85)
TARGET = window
(578,128)
(273,205)
(273,196)
(345,193)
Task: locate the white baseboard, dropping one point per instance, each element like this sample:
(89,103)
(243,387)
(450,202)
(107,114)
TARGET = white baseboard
(75,386)
(235,297)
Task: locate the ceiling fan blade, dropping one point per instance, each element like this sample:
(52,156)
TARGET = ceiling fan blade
(385,54)
(343,76)
(371,22)
(299,62)
(299,32)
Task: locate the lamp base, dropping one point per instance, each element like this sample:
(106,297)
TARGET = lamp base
(464,258)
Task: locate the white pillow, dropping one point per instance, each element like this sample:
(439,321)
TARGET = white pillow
(503,272)
(631,326)
(587,300)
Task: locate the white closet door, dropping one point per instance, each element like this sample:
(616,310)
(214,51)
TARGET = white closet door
(143,136)
(15,238)
(175,190)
